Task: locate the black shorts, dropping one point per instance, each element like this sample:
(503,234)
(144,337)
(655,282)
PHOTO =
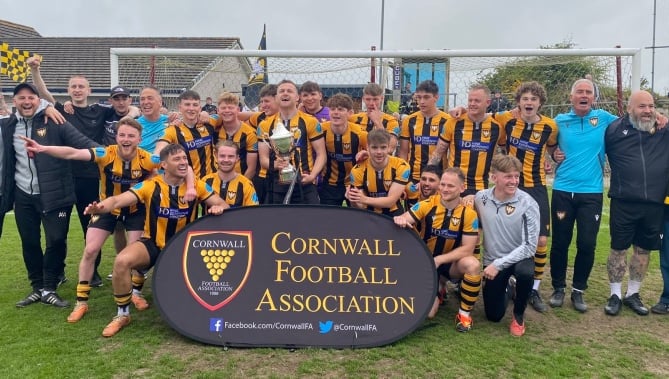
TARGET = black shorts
(152,249)
(444,270)
(332,195)
(107,221)
(635,223)
(540,195)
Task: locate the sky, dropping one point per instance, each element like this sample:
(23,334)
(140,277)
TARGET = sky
(356,24)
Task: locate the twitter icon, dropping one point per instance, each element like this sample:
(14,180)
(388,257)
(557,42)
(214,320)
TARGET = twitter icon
(325,327)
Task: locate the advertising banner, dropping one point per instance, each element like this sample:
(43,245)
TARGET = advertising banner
(295,276)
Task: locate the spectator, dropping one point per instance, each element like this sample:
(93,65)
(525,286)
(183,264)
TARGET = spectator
(209,107)
(498,103)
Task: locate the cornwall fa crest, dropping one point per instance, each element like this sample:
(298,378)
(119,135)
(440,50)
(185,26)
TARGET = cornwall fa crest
(216,266)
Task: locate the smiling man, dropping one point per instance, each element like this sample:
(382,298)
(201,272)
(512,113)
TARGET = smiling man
(195,137)
(529,137)
(236,189)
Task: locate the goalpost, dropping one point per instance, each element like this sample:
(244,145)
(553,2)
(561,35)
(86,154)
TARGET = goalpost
(616,71)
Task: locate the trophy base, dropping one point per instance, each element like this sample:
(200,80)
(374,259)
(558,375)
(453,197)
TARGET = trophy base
(287,175)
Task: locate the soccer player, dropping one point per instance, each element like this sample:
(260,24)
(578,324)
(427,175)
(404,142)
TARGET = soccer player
(311,99)
(450,231)
(529,137)
(469,141)
(510,223)
(343,140)
(244,135)
(195,137)
(420,131)
(308,140)
(121,166)
(378,183)
(426,187)
(236,189)
(374,117)
(166,213)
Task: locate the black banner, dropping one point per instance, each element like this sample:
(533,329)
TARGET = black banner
(295,276)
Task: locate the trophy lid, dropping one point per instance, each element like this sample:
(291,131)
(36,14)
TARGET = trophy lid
(280,131)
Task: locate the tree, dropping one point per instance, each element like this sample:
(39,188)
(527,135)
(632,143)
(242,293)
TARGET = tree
(555,73)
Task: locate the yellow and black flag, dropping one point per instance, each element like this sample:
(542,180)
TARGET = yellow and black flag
(259,74)
(258,77)
(13,63)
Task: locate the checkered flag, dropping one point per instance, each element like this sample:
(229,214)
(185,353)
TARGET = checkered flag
(13,63)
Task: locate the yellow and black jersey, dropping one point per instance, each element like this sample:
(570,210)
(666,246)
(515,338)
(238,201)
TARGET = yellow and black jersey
(118,176)
(199,144)
(166,210)
(305,129)
(239,192)
(471,147)
(390,124)
(377,183)
(341,151)
(423,135)
(442,229)
(528,143)
(246,139)
(256,119)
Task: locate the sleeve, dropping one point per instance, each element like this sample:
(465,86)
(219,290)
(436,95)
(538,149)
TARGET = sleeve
(404,129)
(315,131)
(403,173)
(101,155)
(393,127)
(251,141)
(449,130)
(204,190)
(170,135)
(250,196)
(471,220)
(419,210)
(142,191)
(357,175)
(74,138)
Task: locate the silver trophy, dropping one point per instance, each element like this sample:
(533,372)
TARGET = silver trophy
(282,142)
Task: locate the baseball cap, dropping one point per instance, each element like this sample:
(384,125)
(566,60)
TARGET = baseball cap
(119,90)
(29,86)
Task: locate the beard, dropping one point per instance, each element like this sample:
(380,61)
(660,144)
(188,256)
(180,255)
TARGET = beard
(642,125)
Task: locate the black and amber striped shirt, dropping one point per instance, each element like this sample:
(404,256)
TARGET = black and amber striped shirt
(423,135)
(442,229)
(390,124)
(471,147)
(528,143)
(239,192)
(305,129)
(341,151)
(377,183)
(118,176)
(166,210)
(246,139)
(199,144)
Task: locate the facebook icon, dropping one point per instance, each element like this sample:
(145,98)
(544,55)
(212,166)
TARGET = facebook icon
(215,324)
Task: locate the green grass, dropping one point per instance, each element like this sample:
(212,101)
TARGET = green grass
(38,343)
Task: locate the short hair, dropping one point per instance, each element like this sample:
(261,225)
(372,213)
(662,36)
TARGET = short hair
(287,81)
(434,169)
(340,100)
(131,122)
(378,137)
(78,77)
(268,90)
(455,171)
(372,89)
(534,88)
(310,86)
(160,93)
(505,163)
(171,149)
(579,81)
(480,87)
(189,95)
(227,143)
(428,86)
(228,98)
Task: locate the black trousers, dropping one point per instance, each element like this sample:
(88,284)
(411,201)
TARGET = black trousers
(43,266)
(87,191)
(585,210)
(494,291)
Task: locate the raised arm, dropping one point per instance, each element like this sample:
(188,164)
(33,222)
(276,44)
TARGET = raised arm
(62,152)
(34,63)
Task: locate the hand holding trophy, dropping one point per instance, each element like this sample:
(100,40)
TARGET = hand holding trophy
(282,142)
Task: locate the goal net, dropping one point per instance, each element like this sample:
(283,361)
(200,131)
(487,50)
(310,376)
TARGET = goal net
(210,72)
